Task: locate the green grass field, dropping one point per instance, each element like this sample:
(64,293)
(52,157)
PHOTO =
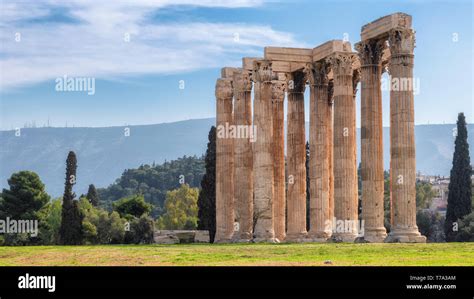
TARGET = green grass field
(308,254)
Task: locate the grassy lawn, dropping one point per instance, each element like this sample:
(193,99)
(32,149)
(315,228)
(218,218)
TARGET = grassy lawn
(307,254)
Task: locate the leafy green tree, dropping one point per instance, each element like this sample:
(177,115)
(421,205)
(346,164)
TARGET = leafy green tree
(424,195)
(51,222)
(92,195)
(466,229)
(25,197)
(153,182)
(134,206)
(207,195)
(459,189)
(71,218)
(141,231)
(100,226)
(431,225)
(181,209)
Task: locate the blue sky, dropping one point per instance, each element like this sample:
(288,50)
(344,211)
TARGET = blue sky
(137,82)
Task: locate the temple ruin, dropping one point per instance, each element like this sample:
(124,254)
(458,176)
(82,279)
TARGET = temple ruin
(260,198)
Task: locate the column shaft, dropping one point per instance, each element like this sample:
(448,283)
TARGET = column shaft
(224,163)
(345,168)
(296,157)
(402,139)
(263,154)
(319,119)
(279,196)
(331,148)
(372,168)
(243,170)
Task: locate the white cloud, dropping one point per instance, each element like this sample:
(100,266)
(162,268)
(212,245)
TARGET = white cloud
(95,46)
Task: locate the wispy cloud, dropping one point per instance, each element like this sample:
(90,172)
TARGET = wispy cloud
(95,43)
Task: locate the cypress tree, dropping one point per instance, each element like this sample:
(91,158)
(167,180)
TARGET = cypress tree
(207,195)
(459,189)
(70,231)
(92,195)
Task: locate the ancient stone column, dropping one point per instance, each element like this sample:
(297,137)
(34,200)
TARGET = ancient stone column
(243,157)
(331,147)
(345,168)
(372,167)
(319,123)
(263,153)
(296,158)
(224,163)
(279,192)
(402,138)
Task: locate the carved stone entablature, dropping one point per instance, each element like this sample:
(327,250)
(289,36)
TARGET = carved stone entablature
(341,63)
(318,73)
(371,51)
(262,71)
(278,90)
(224,89)
(401,42)
(297,81)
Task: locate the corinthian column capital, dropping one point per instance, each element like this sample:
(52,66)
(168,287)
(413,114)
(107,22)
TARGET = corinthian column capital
(318,72)
(262,71)
(341,63)
(297,81)
(370,51)
(224,89)
(242,81)
(401,41)
(278,90)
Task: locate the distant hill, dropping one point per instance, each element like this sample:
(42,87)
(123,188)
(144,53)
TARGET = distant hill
(104,153)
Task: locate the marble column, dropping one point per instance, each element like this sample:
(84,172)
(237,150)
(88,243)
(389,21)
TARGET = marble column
(372,167)
(402,138)
(224,163)
(263,153)
(345,163)
(319,123)
(296,157)
(279,192)
(243,157)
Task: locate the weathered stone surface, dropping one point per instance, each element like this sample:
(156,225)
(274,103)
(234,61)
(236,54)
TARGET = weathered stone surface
(166,239)
(296,158)
(181,236)
(288,54)
(224,163)
(228,72)
(328,48)
(372,171)
(402,140)
(263,153)
(279,196)
(385,24)
(202,236)
(345,168)
(243,157)
(319,120)
(248,63)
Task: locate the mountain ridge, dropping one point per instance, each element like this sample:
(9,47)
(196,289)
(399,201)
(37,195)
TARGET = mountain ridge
(105,152)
